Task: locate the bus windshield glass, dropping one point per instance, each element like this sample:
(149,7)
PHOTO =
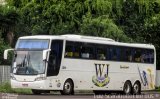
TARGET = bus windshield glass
(28,63)
(32,44)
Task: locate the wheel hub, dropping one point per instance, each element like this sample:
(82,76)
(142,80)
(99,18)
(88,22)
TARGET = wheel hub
(136,88)
(127,89)
(67,87)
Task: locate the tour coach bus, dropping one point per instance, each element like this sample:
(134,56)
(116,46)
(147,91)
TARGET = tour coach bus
(67,63)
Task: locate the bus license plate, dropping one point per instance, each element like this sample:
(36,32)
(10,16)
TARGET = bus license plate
(25,85)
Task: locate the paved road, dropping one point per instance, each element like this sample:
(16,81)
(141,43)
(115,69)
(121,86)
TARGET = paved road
(145,95)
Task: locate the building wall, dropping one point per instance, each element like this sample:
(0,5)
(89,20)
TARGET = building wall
(4,73)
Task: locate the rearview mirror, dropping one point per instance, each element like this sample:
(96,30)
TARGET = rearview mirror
(6,53)
(45,53)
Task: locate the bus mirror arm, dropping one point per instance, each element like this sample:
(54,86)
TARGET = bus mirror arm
(45,54)
(6,53)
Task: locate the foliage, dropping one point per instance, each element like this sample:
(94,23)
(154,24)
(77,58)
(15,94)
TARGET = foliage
(9,18)
(158,89)
(152,35)
(104,27)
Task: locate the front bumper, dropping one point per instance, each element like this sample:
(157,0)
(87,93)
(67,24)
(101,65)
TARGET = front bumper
(29,85)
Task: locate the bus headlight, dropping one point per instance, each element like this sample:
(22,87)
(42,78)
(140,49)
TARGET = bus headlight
(12,77)
(40,78)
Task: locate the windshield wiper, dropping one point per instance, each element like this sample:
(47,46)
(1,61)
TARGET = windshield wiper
(23,62)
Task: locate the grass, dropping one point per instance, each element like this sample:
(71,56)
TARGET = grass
(6,88)
(158,89)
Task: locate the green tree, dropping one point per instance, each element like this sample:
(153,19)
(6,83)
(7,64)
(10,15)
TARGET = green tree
(122,20)
(152,34)
(9,18)
(103,27)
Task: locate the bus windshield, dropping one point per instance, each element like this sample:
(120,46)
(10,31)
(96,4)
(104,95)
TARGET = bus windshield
(31,44)
(28,63)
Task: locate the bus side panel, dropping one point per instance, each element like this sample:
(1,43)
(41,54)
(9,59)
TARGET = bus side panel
(105,75)
(92,75)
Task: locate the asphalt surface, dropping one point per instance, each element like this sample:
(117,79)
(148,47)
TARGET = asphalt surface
(144,95)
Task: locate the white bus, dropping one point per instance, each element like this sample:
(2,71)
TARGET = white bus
(67,63)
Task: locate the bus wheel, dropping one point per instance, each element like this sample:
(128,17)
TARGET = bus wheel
(127,89)
(68,88)
(137,88)
(36,92)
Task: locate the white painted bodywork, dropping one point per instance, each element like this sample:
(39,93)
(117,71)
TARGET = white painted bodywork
(82,71)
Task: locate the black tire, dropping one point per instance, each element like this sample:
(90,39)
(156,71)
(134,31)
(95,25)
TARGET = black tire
(127,89)
(68,88)
(136,88)
(36,92)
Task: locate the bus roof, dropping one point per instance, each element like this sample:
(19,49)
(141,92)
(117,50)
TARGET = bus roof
(90,39)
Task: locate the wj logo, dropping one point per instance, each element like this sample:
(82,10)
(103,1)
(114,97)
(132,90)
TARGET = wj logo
(101,79)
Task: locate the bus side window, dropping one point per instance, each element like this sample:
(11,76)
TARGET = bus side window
(143,55)
(87,51)
(114,53)
(151,56)
(101,53)
(128,55)
(73,49)
(69,50)
(148,56)
(122,54)
(76,54)
(77,48)
(137,55)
